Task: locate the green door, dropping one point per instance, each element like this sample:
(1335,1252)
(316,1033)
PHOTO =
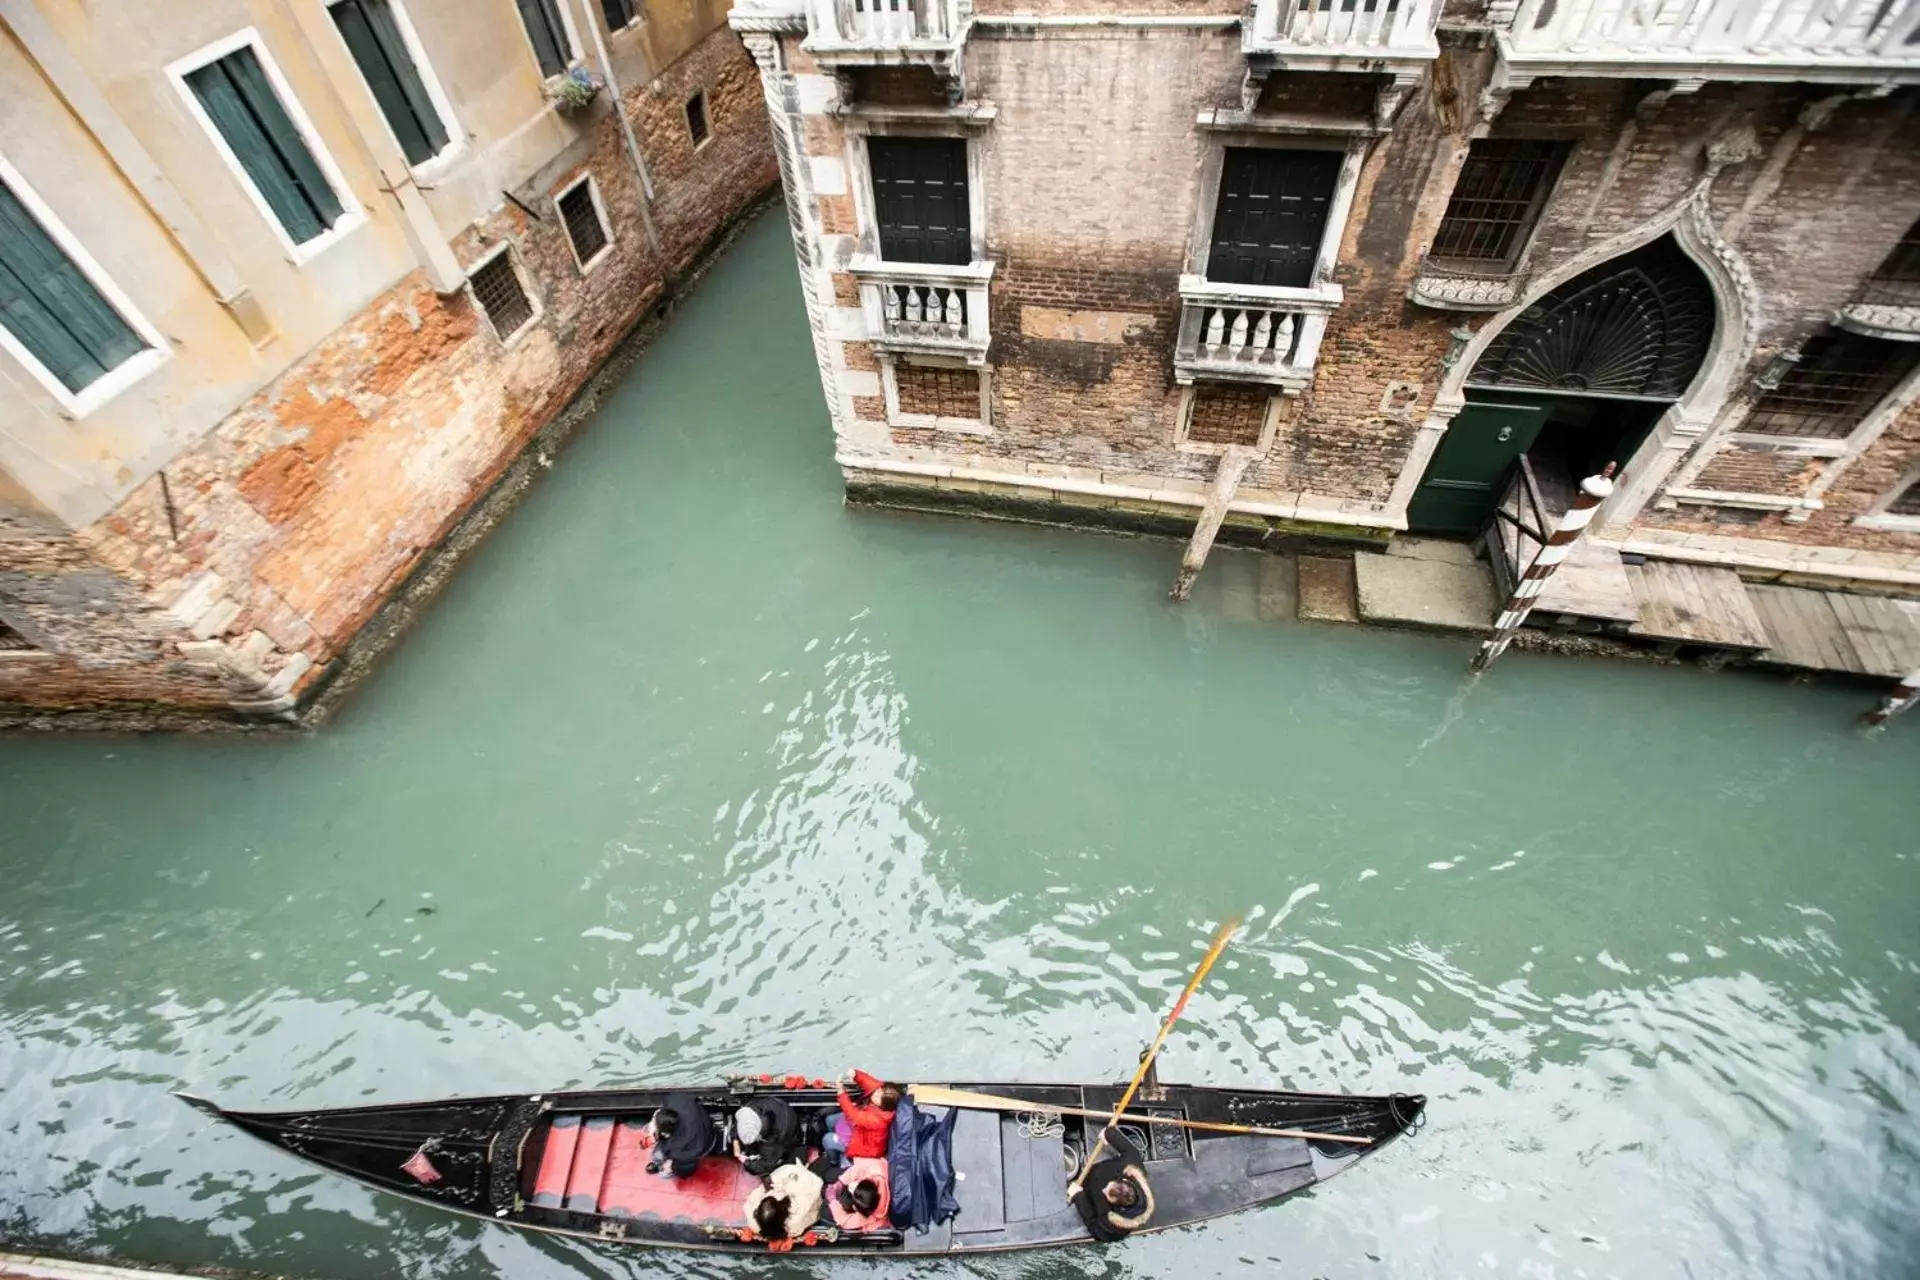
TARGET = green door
(1463,482)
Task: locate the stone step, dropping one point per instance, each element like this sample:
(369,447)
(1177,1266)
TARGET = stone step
(1404,592)
(1327,590)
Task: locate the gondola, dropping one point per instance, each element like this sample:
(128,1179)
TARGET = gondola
(574,1163)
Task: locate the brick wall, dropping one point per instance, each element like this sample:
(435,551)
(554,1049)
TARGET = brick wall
(297,516)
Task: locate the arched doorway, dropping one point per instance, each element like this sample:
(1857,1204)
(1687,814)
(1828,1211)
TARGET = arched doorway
(1577,380)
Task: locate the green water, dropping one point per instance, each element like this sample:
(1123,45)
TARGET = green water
(694,770)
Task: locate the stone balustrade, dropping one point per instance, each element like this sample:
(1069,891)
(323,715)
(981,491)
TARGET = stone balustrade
(929,308)
(1331,30)
(1699,40)
(883,25)
(1250,333)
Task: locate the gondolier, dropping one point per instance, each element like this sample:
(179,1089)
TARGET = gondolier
(1114,1198)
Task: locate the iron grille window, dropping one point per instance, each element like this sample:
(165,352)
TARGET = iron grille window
(12,641)
(938,390)
(581,216)
(1271,215)
(1908,503)
(697,117)
(373,38)
(547,34)
(241,102)
(496,287)
(1896,282)
(48,303)
(1839,377)
(1496,201)
(619,13)
(920,199)
(1227,415)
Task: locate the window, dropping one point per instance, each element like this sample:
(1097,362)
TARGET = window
(1838,379)
(938,391)
(1496,201)
(585,221)
(56,317)
(12,641)
(697,117)
(239,95)
(372,34)
(620,13)
(1907,501)
(1896,282)
(920,199)
(1271,215)
(497,288)
(548,34)
(1227,415)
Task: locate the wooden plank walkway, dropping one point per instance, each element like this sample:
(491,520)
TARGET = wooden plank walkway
(1694,604)
(1884,633)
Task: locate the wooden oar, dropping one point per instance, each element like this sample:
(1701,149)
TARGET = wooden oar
(967,1099)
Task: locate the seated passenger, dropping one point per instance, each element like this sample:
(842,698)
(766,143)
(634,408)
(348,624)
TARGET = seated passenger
(786,1208)
(682,1133)
(766,1135)
(859,1200)
(1113,1197)
(862,1129)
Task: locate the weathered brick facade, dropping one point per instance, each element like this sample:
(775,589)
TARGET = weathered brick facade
(238,574)
(1095,132)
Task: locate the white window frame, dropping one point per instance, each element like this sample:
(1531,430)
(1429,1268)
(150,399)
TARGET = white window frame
(1878,517)
(600,211)
(536,307)
(1183,422)
(1352,147)
(78,404)
(352,215)
(890,388)
(441,160)
(706,114)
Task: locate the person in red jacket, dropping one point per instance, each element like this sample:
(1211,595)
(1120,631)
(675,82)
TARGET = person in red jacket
(862,1129)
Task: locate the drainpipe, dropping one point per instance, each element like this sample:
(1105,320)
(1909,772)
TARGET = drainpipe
(626,131)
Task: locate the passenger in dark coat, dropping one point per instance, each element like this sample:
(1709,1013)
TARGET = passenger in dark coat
(767,1135)
(682,1133)
(1113,1197)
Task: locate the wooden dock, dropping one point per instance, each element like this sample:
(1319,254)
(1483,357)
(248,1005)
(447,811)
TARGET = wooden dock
(1838,631)
(1694,604)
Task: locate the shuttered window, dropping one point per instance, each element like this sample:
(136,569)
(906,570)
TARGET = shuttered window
(373,37)
(619,13)
(920,199)
(581,217)
(497,288)
(549,37)
(239,99)
(1271,215)
(48,303)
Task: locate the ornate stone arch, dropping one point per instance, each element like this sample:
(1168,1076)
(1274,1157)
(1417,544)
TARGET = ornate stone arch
(1736,321)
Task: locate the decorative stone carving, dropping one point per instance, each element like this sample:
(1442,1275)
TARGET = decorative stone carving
(1445,290)
(1735,146)
(1879,320)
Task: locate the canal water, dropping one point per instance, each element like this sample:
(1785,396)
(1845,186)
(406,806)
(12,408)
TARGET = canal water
(694,770)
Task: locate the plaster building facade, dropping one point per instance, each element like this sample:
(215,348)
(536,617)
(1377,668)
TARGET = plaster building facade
(286,285)
(1340,270)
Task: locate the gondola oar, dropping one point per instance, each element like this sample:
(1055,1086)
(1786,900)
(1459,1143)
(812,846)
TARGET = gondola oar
(966,1099)
(1220,938)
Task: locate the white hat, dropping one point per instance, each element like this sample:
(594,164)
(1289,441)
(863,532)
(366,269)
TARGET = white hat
(746,1125)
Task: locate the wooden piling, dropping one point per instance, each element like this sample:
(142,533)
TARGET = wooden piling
(1593,491)
(1226,481)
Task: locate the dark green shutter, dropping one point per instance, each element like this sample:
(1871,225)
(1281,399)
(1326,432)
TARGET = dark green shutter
(237,95)
(920,199)
(1272,212)
(548,36)
(373,38)
(619,13)
(51,306)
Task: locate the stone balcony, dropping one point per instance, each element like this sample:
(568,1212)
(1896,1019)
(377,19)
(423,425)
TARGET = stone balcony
(1452,286)
(925,308)
(1691,42)
(1251,333)
(847,33)
(1342,35)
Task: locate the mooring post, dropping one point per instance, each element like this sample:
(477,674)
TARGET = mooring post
(1226,480)
(1898,699)
(1594,490)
